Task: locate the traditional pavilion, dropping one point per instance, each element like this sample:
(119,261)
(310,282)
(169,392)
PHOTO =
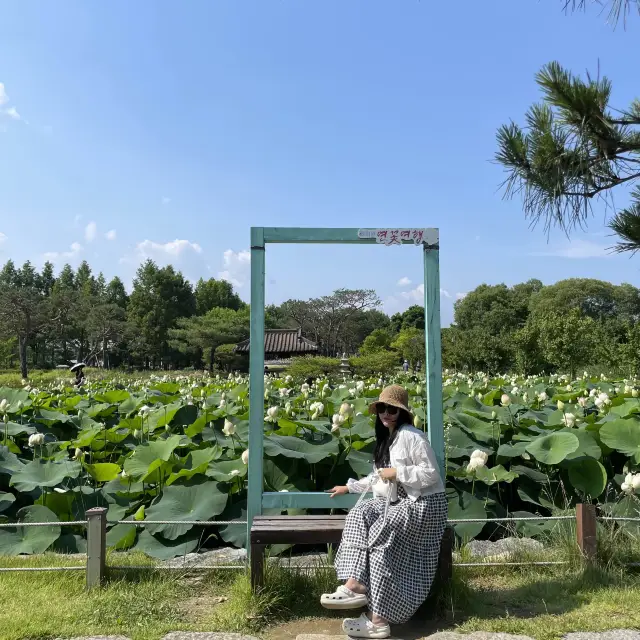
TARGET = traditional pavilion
(280,345)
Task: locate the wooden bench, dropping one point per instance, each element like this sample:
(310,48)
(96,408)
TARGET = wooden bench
(268,530)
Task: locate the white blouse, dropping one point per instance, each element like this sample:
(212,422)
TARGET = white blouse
(415,463)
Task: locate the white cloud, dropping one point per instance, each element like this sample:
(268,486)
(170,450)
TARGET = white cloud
(3,237)
(445,293)
(577,249)
(459,296)
(55,256)
(165,200)
(12,113)
(236,265)
(111,235)
(417,295)
(4,98)
(404,282)
(175,249)
(90,232)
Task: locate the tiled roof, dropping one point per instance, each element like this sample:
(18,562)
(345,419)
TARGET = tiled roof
(282,341)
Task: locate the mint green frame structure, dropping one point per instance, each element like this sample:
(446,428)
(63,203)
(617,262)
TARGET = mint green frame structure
(258,499)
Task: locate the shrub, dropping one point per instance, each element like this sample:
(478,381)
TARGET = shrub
(374,363)
(227,359)
(313,367)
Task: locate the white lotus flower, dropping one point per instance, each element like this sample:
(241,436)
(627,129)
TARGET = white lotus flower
(360,386)
(515,391)
(478,460)
(635,482)
(234,472)
(36,439)
(305,389)
(284,393)
(229,428)
(525,397)
(272,414)
(569,388)
(78,454)
(317,408)
(4,406)
(582,402)
(223,402)
(626,488)
(245,456)
(380,382)
(505,400)
(337,421)
(346,409)
(593,392)
(288,379)
(352,392)
(543,397)
(144,411)
(569,419)
(602,400)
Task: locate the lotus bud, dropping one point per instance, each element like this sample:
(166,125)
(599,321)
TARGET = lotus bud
(417,423)
(229,428)
(137,434)
(525,397)
(346,409)
(569,420)
(582,402)
(78,454)
(4,406)
(36,439)
(505,400)
(560,405)
(494,415)
(245,456)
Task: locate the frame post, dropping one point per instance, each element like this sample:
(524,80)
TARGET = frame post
(586,530)
(433,360)
(256,379)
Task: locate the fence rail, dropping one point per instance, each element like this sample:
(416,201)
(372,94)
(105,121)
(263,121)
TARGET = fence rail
(96,523)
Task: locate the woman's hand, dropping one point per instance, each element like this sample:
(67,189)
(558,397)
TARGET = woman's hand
(387,474)
(338,491)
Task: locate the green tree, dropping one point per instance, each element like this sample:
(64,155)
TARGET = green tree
(575,148)
(202,335)
(567,341)
(105,326)
(214,293)
(377,340)
(409,343)
(160,297)
(115,293)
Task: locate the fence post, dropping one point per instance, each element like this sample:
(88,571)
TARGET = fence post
(586,530)
(96,545)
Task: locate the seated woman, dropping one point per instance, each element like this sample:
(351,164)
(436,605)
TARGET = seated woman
(390,546)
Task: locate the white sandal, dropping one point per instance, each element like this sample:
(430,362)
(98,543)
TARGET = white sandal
(343,598)
(362,627)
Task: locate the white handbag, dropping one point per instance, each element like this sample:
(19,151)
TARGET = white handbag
(385,489)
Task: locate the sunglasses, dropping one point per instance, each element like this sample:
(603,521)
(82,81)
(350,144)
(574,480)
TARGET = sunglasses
(387,408)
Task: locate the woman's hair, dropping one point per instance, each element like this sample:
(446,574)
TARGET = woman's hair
(381,457)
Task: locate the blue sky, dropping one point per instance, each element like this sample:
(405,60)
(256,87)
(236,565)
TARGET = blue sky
(165,130)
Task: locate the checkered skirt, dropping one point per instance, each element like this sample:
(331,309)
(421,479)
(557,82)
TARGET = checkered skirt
(398,569)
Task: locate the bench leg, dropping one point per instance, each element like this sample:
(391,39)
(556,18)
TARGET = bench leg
(257,566)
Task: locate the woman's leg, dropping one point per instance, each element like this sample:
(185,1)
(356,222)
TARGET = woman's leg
(352,559)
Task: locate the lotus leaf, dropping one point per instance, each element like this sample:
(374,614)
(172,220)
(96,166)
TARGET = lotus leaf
(200,501)
(483,430)
(298,448)
(148,457)
(465,506)
(44,473)
(495,474)
(163,549)
(103,471)
(29,540)
(588,476)
(622,435)
(122,536)
(227,470)
(553,448)
(6,500)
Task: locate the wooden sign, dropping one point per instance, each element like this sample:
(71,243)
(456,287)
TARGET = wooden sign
(400,236)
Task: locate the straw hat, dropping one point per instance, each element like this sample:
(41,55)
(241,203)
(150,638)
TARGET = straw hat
(394,395)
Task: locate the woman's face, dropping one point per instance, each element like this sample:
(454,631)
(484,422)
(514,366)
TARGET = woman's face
(388,415)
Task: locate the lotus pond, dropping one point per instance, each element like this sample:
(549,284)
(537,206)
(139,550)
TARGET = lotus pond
(175,448)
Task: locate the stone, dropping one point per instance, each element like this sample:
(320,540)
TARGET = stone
(477,635)
(221,556)
(206,635)
(616,634)
(502,549)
